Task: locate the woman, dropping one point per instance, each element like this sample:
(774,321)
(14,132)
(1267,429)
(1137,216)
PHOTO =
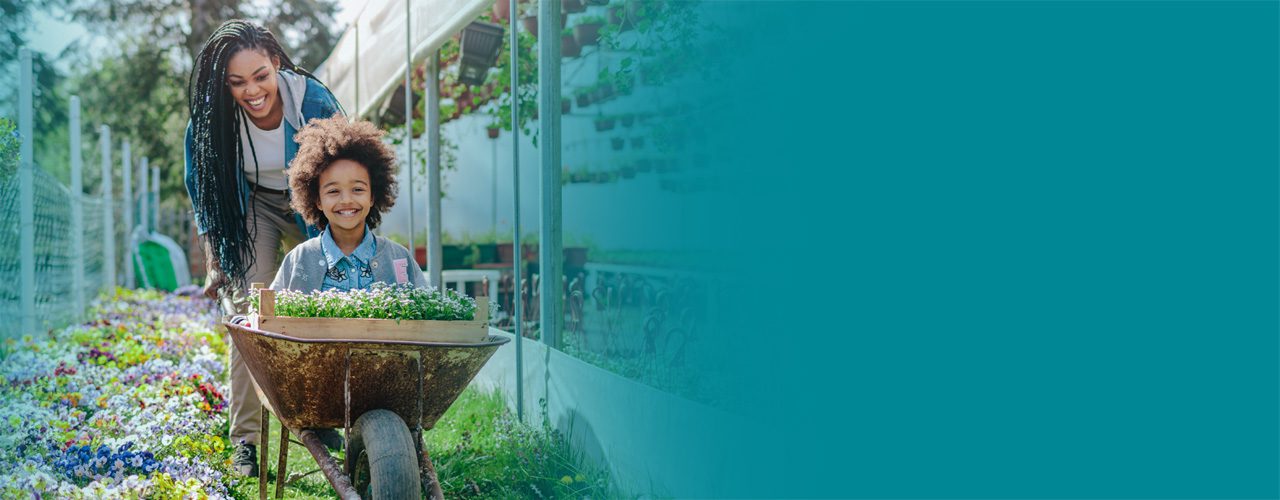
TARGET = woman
(247,100)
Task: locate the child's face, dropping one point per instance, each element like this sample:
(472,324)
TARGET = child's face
(345,194)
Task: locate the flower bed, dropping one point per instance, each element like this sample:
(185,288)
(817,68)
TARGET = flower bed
(128,405)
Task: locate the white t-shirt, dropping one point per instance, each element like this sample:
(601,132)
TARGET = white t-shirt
(269,147)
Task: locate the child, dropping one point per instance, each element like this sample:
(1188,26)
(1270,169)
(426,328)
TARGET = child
(343,180)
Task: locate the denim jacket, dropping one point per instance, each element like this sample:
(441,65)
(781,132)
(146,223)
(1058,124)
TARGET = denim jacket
(304,267)
(304,99)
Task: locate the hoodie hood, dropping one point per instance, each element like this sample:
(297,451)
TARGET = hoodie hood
(293,89)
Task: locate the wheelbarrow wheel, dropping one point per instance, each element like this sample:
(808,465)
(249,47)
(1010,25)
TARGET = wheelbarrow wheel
(384,457)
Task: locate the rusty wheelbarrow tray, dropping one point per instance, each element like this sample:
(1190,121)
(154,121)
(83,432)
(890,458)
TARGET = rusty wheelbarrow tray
(331,383)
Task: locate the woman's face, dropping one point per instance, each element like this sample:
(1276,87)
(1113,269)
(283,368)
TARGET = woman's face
(251,76)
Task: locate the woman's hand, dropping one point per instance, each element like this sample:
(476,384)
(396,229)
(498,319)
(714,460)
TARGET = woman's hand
(214,281)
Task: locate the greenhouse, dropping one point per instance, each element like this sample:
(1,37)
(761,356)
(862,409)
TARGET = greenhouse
(639,249)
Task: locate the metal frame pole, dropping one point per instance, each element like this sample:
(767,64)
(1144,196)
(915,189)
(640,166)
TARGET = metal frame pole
(108,211)
(144,195)
(434,260)
(155,199)
(518,313)
(408,117)
(126,195)
(549,261)
(77,213)
(26,190)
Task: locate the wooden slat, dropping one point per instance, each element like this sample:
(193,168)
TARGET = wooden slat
(378,329)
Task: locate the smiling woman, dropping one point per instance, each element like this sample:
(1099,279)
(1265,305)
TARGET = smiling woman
(247,100)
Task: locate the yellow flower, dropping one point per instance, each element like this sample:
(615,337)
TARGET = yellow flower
(579,478)
(566,480)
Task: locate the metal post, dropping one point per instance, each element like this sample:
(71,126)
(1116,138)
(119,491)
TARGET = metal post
(108,211)
(126,195)
(77,214)
(549,224)
(434,262)
(357,70)
(408,117)
(155,199)
(518,313)
(26,190)
(144,193)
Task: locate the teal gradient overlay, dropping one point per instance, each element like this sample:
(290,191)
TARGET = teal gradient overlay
(997,249)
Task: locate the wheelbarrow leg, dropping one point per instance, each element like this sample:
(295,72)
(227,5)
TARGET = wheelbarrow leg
(283,463)
(427,470)
(264,442)
(328,466)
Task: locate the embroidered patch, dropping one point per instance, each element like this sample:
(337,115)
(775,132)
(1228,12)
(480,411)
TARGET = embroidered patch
(337,274)
(366,272)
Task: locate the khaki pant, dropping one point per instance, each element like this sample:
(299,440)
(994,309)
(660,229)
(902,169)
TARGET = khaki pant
(272,225)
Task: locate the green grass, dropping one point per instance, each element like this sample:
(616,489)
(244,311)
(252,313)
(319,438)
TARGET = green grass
(480,451)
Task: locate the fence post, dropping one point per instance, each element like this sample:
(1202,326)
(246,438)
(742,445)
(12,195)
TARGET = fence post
(77,213)
(26,188)
(127,198)
(517,313)
(143,194)
(108,222)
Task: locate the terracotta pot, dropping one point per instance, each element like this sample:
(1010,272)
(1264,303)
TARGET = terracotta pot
(530,25)
(572,6)
(506,253)
(587,33)
(569,47)
(564,105)
(493,132)
(501,10)
(584,99)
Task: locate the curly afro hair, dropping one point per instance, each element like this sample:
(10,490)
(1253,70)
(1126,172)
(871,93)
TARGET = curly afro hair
(323,142)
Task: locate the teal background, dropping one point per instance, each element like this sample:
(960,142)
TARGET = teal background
(998,249)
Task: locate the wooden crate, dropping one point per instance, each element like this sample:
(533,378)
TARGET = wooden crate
(474,331)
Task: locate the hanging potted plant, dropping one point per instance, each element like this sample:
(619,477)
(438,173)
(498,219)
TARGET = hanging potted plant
(564,105)
(587,31)
(604,123)
(604,92)
(618,143)
(572,6)
(529,17)
(492,130)
(583,97)
(501,10)
(568,46)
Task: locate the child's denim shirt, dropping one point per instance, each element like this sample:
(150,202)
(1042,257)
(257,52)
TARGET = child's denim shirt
(348,272)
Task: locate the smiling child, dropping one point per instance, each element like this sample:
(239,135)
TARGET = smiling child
(343,180)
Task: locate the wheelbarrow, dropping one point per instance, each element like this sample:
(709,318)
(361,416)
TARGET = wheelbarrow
(383,393)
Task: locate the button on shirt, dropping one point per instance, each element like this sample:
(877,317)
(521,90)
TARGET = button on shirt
(347,272)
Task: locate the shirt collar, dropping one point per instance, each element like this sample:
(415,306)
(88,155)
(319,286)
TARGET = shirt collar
(363,252)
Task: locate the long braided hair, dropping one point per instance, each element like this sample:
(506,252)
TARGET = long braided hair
(216,152)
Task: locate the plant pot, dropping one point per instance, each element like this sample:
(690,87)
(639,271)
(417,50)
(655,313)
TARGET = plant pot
(501,10)
(603,124)
(486,253)
(454,256)
(604,92)
(587,33)
(598,3)
(584,99)
(529,253)
(492,131)
(572,6)
(505,253)
(569,47)
(618,143)
(575,257)
(420,255)
(530,25)
(564,105)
